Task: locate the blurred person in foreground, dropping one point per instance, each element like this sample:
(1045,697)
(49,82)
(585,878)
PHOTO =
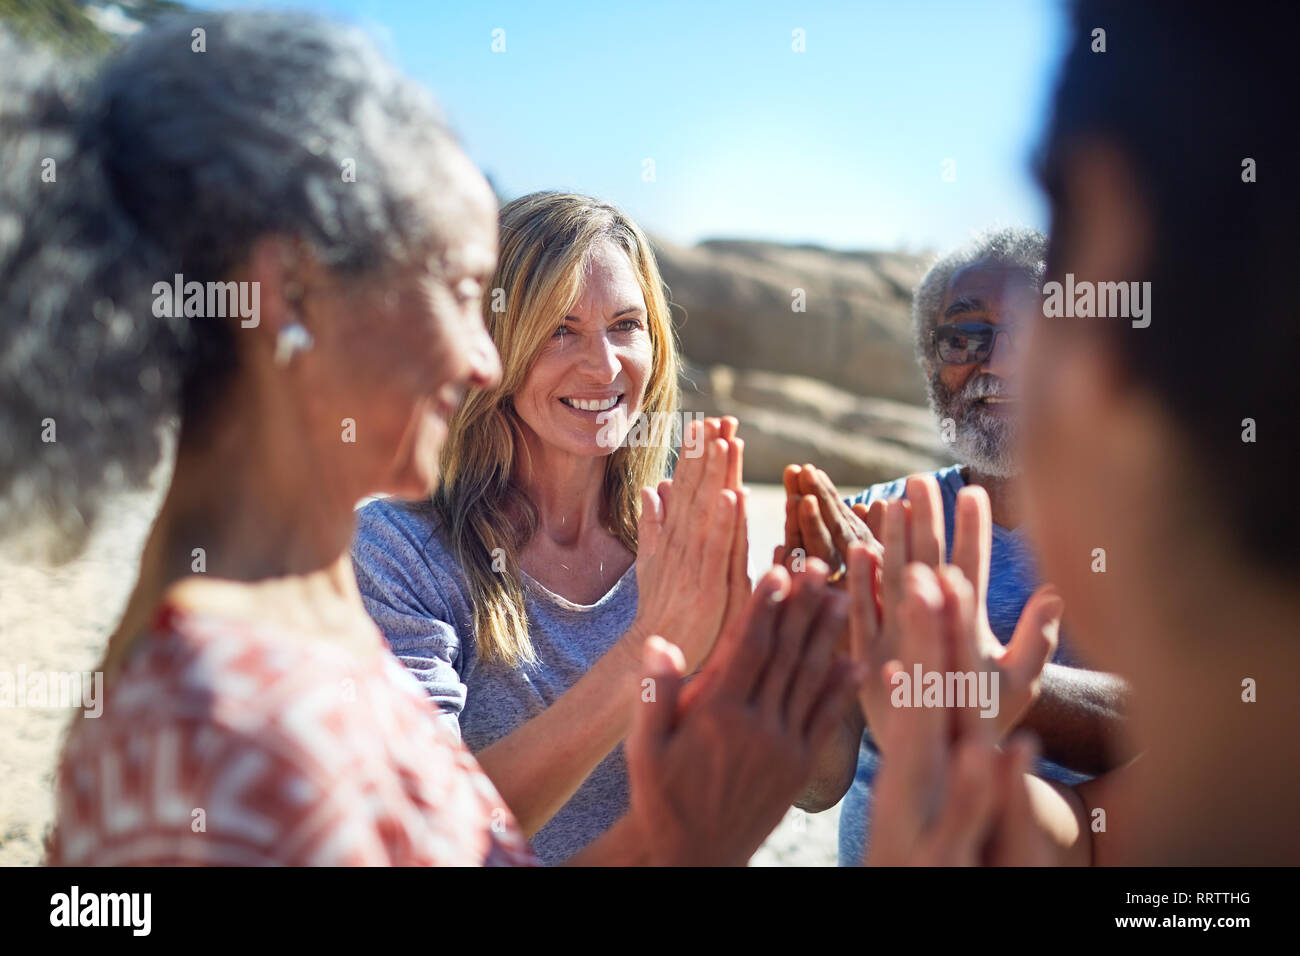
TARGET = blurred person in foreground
(1179,464)
(253,713)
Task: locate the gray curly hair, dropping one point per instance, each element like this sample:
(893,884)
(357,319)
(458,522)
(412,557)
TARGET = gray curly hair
(171,160)
(1011,245)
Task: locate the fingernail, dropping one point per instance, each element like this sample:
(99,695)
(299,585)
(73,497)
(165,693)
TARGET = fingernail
(781,591)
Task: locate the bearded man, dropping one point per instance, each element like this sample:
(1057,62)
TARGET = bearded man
(969,313)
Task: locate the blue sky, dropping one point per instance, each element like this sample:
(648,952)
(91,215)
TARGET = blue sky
(842,145)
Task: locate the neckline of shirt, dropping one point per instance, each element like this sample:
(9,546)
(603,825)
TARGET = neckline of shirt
(541,590)
(954,475)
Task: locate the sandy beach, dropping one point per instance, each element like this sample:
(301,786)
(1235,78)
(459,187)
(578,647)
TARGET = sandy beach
(57,620)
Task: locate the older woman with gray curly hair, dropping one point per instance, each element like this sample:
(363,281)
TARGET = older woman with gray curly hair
(279,242)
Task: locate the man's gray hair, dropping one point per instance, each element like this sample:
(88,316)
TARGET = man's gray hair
(1009,246)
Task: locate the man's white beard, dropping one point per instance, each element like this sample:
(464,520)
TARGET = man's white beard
(982,442)
(987,446)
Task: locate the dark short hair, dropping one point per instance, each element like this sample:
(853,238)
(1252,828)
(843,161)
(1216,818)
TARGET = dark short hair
(1187,96)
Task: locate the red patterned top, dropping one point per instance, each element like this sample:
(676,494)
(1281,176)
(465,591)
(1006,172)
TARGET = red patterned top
(224,742)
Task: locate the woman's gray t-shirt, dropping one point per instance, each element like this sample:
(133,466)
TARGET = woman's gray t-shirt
(417,593)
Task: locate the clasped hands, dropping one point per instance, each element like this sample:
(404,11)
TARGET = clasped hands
(946,794)
(714,763)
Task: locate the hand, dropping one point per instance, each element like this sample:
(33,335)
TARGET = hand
(739,587)
(909,533)
(913,531)
(692,549)
(817,521)
(1019,664)
(713,767)
(946,796)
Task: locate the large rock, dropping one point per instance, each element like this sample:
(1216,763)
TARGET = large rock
(855,334)
(789,419)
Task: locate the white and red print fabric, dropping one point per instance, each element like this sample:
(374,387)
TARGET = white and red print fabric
(226,743)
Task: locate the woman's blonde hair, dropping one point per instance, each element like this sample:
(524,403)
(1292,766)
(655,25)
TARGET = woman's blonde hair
(546,239)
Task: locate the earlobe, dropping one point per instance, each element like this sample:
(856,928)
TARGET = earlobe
(277,265)
(290,340)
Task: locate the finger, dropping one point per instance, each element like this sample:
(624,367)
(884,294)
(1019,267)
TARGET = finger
(696,490)
(871,537)
(650,524)
(875,518)
(898,809)
(739,586)
(832,703)
(714,478)
(917,735)
(744,647)
(1035,638)
(665,493)
(1016,839)
(972,541)
(692,441)
(927,532)
(712,428)
(727,427)
(793,536)
(963,652)
(864,621)
(831,494)
(727,432)
(715,550)
(736,465)
(895,558)
(817,659)
(778,554)
(691,471)
(652,720)
(810,482)
(816,539)
(965,821)
(735,459)
(790,479)
(693,686)
(896,736)
(839,518)
(792,631)
(922,647)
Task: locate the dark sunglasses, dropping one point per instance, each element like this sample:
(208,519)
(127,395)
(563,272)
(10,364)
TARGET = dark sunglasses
(962,343)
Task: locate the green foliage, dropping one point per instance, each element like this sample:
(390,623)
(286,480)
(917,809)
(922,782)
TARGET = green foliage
(65,25)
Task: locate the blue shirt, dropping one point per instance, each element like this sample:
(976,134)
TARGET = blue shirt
(417,592)
(1013,577)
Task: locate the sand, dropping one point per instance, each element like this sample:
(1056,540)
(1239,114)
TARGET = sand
(58,620)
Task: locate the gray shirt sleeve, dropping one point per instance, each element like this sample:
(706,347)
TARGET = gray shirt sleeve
(407,602)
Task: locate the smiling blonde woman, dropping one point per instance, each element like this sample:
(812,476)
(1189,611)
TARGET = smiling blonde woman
(519,595)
